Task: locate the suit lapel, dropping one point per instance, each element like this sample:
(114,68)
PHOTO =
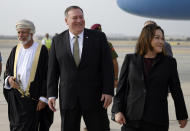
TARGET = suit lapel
(66,40)
(140,65)
(84,49)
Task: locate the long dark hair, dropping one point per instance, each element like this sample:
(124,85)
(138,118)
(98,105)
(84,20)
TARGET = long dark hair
(145,38)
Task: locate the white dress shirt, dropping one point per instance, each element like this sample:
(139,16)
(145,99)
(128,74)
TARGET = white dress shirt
(80,41)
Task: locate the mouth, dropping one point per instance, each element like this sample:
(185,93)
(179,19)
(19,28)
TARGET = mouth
(79,24)
(23,40)
(160,46)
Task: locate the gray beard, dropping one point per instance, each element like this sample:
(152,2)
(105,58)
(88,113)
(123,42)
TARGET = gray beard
(25,42)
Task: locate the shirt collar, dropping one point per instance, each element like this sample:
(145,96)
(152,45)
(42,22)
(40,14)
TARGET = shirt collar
(79,35)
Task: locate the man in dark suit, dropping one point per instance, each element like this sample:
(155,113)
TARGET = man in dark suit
(81,59)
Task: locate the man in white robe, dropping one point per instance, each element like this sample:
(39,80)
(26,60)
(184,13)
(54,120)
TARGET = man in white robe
(25,84)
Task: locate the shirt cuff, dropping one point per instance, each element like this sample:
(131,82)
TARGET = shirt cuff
(43,99)
(7,86)
(52,97)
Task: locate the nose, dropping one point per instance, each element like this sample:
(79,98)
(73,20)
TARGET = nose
(78,19)
(20,34)
(161,41)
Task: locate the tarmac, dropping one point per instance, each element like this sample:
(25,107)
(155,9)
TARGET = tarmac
(181,53)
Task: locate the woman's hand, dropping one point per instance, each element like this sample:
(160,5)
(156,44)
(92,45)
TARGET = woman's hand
(120,118)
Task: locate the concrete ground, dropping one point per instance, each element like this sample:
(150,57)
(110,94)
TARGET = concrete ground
(181,53)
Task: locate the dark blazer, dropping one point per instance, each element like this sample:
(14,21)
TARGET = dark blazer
(83,84)
(147,100)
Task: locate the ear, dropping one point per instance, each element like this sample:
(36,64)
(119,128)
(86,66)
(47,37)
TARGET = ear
(66,21)
(31,35)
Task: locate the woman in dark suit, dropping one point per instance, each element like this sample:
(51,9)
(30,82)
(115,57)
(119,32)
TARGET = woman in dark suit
(140,103)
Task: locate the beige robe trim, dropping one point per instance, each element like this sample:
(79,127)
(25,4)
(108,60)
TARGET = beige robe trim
(33,69)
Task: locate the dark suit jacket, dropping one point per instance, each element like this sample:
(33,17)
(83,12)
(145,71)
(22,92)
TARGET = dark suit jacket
(86,83)
(141,99)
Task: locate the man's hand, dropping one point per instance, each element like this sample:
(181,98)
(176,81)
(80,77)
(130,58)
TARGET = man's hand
(107,100)
(120,118)
(40,105)
(13,83)
(51,103)
(182,123)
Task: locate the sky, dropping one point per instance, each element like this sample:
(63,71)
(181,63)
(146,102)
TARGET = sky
(48,17)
